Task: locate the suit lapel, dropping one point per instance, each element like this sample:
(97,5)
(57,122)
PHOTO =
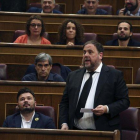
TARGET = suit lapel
(35,121)
(77,83)
(18,121)
(101,82)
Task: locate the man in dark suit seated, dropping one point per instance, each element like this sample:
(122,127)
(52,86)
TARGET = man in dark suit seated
(124,31)
(26,117)
(131,8)
(43,66)
(91,8)
(47,7)
(94,95)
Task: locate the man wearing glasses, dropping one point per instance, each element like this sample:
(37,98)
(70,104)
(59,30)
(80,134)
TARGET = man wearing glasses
(43,66)
(47,7)
(91,8)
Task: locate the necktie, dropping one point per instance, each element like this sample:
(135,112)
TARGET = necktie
(84,96)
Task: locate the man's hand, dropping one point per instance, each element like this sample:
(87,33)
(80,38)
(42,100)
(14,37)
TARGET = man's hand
(64,127)
(121,12)
(100,110)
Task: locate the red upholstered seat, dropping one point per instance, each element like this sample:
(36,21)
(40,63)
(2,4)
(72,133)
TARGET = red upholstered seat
(89,36)
(130,124)
(46,110)
(137,79)
(107,8)
(3,72)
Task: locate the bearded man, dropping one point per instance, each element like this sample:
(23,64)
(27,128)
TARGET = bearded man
(124,31)
(26,117)
(131,8)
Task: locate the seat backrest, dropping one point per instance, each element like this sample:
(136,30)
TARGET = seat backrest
(111,66)
(38,5)
(22,32)
(130,124)
(89,36)
(3,72)
(137,79)
(107,8)
(46,110)
(56,69)
(135,36)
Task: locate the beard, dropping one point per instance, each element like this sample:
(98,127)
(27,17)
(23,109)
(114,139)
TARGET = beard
(123,38)
(27,110)
(133,7)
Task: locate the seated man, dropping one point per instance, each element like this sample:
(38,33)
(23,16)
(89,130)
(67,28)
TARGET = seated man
(43,66)
(47,7)
(91,8)
(124,31)
(132,8)
(26,117)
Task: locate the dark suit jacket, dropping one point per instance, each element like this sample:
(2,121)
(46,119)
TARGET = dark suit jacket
(98,12)
(38,10)
(116,43)
(43,121)
(111,90)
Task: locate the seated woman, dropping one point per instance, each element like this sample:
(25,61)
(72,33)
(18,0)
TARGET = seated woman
(34,32)
(70,33)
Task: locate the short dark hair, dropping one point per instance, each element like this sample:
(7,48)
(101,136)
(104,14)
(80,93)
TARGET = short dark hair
(131,28)
(98,45)
(29,22)
(79,31)
(25,90)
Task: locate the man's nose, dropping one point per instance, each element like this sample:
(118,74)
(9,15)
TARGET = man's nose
(47,4)
(90,4)
(43,67)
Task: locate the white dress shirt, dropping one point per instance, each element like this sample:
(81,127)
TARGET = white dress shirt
(87,121)
(26,124)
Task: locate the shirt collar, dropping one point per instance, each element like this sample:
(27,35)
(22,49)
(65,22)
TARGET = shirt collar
(30,119)
(98,70)
(43,12)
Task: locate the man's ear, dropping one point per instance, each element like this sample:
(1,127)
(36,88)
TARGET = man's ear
(35,103)
(101,55)
(131,34)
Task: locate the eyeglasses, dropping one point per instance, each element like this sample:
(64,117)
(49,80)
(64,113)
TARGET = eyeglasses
(34,25)
(93,2)
(40,65)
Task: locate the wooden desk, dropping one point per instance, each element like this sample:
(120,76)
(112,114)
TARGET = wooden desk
(42,134)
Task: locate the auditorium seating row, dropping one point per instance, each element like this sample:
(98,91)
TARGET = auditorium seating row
(49,94)
(92,24)
(20,56)
(71,7)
